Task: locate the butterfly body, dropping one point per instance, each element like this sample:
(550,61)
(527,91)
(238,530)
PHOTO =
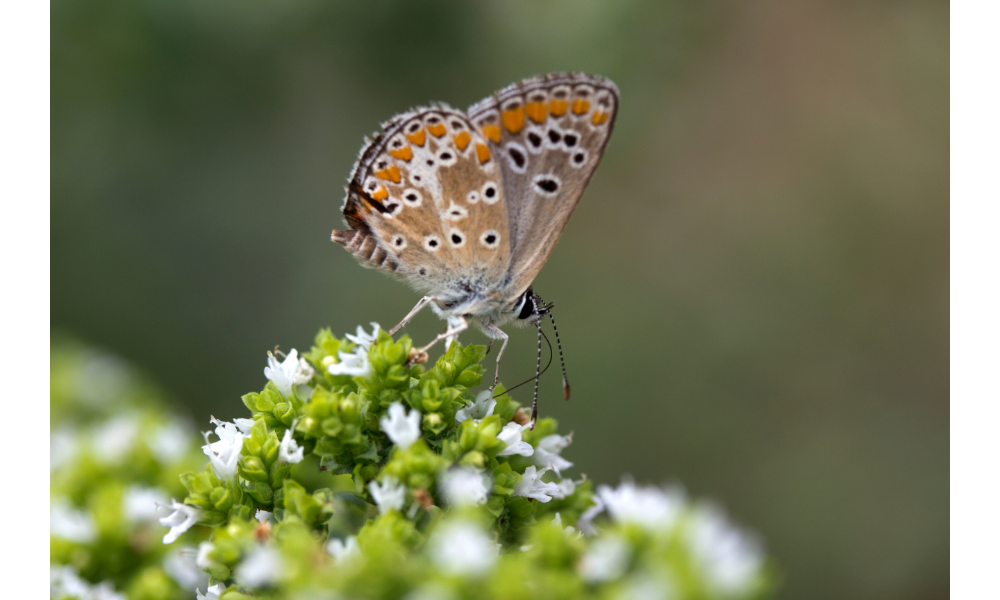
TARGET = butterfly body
(467,207)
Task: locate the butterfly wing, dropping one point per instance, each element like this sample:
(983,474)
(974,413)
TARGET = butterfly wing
(425,202)
(548,135)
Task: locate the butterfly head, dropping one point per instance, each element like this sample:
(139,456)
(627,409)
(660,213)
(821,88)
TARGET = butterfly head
(530,308)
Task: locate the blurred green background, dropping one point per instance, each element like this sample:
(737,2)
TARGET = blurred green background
(753,293)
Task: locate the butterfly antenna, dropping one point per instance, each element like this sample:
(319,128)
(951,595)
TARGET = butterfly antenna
(562,361)
(538,372)
(530,379)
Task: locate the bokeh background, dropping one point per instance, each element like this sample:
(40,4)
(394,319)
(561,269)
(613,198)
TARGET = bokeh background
(753,293)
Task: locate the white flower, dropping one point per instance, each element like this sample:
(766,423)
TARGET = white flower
(70,524)
(586,520)
(462,549)
(262,566)
(478,409)
(362,338)
(532,486)
(213,592)
(607,559)
(63,445)
(65,583)
(402,428)
(511,435)
(355,364)
(289,451)
(567,487)
(643,586)
(102,378)
(113,441)
(388,495)
(342,550)
(263,516)
(182,566)
(169,442)
(650,507)
(292,371)
(731,558)
(245,426)
(569,530)
(225,453)
(179,521)
(142,504)
(547,452)
(465,487)
(203,560)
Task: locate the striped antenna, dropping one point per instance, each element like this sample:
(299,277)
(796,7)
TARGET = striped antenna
(562,361)
(538,372)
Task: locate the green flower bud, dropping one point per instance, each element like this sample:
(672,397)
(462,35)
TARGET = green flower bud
(254,469)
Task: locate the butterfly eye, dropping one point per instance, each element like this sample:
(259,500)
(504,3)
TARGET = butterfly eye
(525,306)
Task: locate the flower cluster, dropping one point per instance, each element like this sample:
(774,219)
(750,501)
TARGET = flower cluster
(116,455)
(357,474)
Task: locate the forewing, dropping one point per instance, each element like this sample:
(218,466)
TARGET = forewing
(425,202)
(548,134)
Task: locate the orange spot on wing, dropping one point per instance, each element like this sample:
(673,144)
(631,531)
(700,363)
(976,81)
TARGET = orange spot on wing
(483,153)
(437,130)
(513,120)
(580,106)
(417,138)
(380,194)
(392,174)
(536,111)
(599,117)
(462,140)
(558,107)
(492,131)
(404,153)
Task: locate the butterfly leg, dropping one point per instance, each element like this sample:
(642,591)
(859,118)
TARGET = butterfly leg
(505,338)
(456,326)
(423,302)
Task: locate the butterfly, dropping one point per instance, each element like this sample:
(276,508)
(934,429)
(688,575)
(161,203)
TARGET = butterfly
(467,207)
